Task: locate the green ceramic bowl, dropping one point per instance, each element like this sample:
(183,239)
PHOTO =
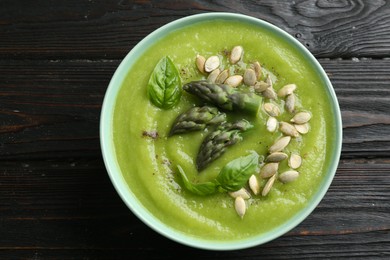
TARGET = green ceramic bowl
(129,198)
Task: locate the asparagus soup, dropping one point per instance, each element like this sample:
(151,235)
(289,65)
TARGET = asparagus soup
(239,147)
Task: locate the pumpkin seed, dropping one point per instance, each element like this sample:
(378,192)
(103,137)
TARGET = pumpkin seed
(287,90)
(250,77)
(276,157)
(269,169)
(268,185)
(234,80)
(200,61)
(243,193)
(270,93)
(280,144)
(236,54)
(303,128)
(295,161)
(288,129)
(272,124)
(290,103)
(268,80)
(211,63)
(254,184)
(271,109)
(301,118)
(288,176)
(260,86)
(212,77)
(257,68)
(240,206)
(222,77)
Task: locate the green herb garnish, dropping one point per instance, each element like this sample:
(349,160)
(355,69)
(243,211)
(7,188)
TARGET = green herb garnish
(164,87)
(232,176)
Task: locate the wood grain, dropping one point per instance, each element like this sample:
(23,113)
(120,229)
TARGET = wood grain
(52,107)
(109,29)
(363,91)
(56,60)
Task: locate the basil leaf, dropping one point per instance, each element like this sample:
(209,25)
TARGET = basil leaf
(236,173)
(203,189)
(164,86)
(232,176)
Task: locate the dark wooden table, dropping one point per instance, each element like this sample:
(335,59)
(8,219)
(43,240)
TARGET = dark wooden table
(56,59)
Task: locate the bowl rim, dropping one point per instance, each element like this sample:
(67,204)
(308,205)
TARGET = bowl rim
(119,183)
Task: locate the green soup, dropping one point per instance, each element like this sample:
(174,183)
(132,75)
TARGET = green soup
(149,162)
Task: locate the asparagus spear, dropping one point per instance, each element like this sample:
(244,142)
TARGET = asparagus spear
(216,143)
(197,118)
(224,96)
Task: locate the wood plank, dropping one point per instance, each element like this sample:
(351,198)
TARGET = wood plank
(52,208)
(109,29)
(348,246)
(363,91)
(58,113)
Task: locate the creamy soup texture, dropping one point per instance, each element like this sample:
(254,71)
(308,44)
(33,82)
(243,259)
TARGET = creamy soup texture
(148,158)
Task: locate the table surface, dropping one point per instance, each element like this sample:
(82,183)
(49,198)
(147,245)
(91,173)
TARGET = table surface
(56,60)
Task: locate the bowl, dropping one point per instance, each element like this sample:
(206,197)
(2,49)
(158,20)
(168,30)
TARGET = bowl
(125,184)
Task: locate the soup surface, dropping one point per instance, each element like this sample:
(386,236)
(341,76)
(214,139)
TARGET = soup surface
(148,158)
